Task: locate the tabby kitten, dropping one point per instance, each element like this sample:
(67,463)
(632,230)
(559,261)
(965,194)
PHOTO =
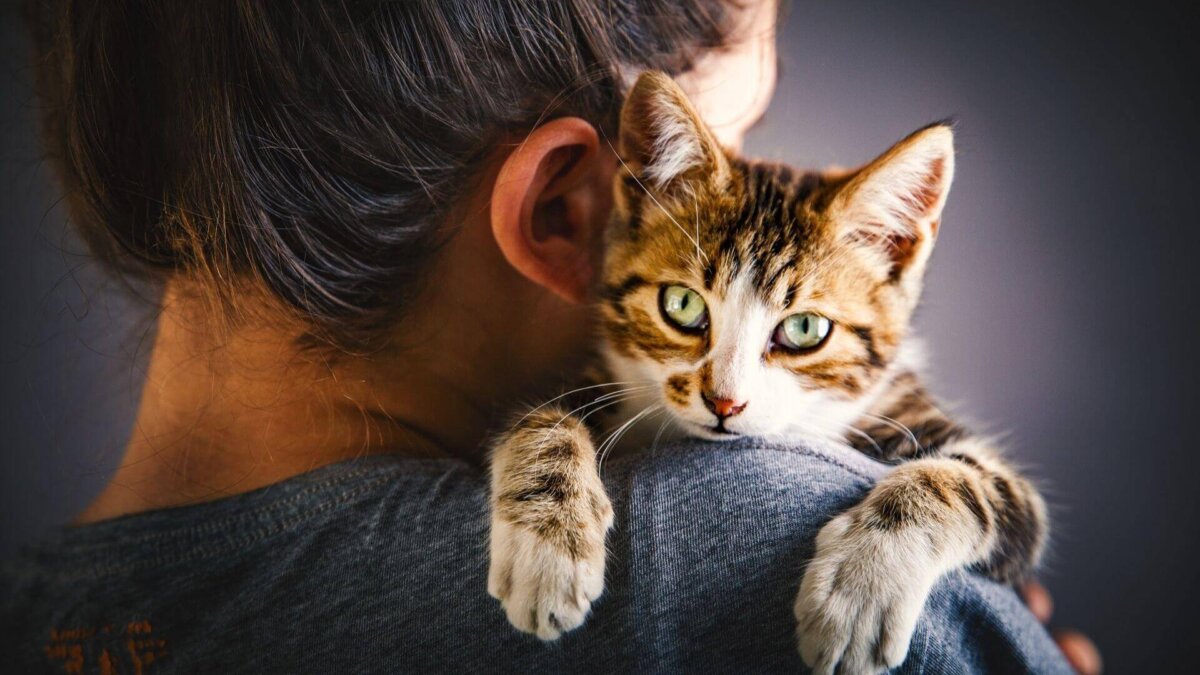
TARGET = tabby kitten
(749,299)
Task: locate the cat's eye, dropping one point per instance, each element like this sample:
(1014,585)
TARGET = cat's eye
(803,331)
(683,307)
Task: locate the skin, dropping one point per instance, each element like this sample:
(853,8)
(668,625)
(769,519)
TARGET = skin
(229,409)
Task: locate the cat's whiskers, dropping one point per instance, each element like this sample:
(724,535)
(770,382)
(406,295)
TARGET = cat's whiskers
(898,426)
(622,399)
(603,401)
(863,434)
(632,175)
(610,398)
(576,391)
(613,438)
(661,428)
(599,403)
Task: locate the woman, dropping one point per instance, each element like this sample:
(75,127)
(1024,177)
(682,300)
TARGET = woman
(375,228)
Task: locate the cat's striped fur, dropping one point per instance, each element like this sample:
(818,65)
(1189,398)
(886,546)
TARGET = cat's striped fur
(759,241)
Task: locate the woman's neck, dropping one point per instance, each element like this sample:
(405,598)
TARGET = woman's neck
(224,416)
(225,411)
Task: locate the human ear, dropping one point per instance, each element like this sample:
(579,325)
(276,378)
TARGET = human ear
(544,210)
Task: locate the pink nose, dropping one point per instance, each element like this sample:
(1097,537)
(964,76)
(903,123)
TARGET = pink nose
(723,407)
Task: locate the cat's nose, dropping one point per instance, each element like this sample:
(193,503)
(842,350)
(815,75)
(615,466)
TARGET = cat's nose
(723,407)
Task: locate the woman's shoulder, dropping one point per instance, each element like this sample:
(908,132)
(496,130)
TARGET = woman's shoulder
(381,565)
(716,543)
(216,582)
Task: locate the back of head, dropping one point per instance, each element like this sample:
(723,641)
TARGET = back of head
(315,151)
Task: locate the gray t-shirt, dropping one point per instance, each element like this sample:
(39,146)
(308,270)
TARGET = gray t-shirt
(379,565)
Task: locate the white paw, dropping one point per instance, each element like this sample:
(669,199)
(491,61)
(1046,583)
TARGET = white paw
(861,596)
(543,590)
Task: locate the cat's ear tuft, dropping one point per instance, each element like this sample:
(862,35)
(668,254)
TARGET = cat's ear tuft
(894,204)
(664,143)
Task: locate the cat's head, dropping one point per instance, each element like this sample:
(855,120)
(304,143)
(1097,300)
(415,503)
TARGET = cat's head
(759,300)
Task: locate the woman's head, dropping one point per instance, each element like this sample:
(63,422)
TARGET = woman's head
(319,153)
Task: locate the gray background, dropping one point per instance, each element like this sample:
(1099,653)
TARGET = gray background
(1059,307)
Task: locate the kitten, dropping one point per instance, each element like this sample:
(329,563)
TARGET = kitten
(749,299)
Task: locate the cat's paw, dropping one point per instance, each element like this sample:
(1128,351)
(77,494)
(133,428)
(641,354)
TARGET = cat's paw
(545,589)
(860,598)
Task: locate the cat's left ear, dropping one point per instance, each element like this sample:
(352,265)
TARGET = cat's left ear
(893,206)
(664,143)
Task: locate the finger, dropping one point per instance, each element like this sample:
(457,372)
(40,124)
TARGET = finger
(1081,652)
(1038,599)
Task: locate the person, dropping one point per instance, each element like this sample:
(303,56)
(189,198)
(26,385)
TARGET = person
(375,227)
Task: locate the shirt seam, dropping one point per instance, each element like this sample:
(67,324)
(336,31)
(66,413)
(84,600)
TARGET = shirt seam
(264,512)
(270,529)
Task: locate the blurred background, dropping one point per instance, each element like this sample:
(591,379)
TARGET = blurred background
(1059,309)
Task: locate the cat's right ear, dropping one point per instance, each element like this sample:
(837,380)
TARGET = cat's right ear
(664,144)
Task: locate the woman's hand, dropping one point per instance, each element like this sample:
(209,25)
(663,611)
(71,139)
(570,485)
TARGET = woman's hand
(1080,651)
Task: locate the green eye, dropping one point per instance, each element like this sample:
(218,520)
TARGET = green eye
(805,330)
(683,307)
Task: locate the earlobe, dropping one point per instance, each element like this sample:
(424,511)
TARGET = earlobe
(543,218)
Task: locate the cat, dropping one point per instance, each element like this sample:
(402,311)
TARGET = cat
(751,299)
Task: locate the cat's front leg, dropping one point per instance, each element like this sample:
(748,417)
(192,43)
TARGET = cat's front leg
(875,565)
(550,516)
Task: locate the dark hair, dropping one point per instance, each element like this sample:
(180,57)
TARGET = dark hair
(314,148)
